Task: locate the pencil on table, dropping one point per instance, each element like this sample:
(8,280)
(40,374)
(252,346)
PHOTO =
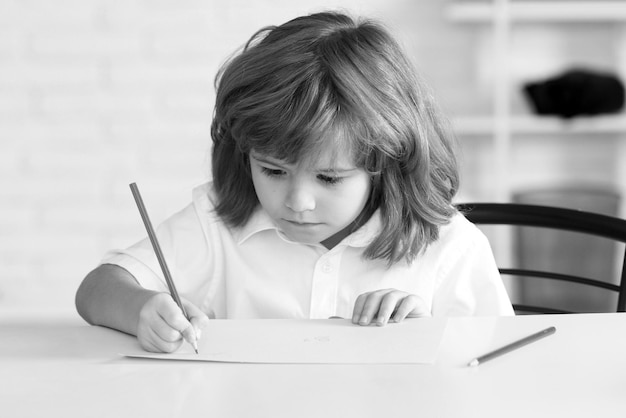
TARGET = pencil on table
(513,346)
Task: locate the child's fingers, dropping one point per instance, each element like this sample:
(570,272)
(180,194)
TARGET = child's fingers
(173,330)
(165,331)
(198,324)
(150,340)
(385,304)
(189,329)
(190,335)
(168,324)
(411,306)
(367,306)
(154,342)
(388,306)
(173,316)
(163,326)
(153,332)
(358,307)
(198,319)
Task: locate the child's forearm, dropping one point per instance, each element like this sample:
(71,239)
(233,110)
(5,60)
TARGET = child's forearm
(110,296)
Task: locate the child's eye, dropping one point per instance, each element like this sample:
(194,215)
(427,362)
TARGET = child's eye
(272,172)
(329,179)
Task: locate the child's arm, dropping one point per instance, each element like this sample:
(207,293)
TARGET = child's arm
(383,305)
(110,296)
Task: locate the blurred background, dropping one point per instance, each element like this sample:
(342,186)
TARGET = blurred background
(96,94)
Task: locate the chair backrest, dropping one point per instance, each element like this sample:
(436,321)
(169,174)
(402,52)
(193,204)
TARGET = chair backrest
(549,217)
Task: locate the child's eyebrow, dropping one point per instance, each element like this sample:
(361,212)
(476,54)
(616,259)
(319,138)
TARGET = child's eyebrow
(329,170)
(337,170)
(267,160)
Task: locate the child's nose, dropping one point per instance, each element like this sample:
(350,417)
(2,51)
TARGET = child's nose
(300,198)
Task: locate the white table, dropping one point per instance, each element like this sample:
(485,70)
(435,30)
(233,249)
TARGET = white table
(69,369)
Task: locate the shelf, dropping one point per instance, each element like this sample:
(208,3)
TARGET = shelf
(512,138)
(537,11)
(538,125)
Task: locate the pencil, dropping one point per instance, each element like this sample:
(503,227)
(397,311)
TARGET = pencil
(513,346)
(159,255)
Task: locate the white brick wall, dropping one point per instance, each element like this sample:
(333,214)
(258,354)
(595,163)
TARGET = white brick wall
(96,94)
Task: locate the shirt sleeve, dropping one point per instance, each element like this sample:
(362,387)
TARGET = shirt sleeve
(470,283)
(184,248)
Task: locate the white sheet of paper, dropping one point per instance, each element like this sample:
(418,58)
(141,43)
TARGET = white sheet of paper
(331,341)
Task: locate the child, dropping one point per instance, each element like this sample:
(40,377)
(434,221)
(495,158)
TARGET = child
(333,177)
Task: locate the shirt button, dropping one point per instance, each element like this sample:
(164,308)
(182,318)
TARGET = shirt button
(327,268)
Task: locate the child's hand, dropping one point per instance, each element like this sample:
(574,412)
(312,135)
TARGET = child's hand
(162,325)
(384,305)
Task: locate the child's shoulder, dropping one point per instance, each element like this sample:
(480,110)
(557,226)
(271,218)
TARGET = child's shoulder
(205,193)
(205,199)
(460,229)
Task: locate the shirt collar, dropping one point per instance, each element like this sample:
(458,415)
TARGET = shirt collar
(260,221)
(363,236)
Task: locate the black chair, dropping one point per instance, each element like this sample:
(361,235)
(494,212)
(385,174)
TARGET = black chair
(524,215)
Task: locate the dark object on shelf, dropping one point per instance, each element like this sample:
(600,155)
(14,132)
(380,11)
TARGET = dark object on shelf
(576,92)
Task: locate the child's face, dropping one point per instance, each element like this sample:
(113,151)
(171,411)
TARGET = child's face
(311,202)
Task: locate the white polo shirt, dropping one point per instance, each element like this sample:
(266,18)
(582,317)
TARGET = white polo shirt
(256,272)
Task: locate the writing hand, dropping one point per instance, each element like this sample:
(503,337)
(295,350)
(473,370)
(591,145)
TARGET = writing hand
(162,325)
(384,305)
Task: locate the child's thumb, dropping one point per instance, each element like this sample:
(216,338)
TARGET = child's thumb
(198,319)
